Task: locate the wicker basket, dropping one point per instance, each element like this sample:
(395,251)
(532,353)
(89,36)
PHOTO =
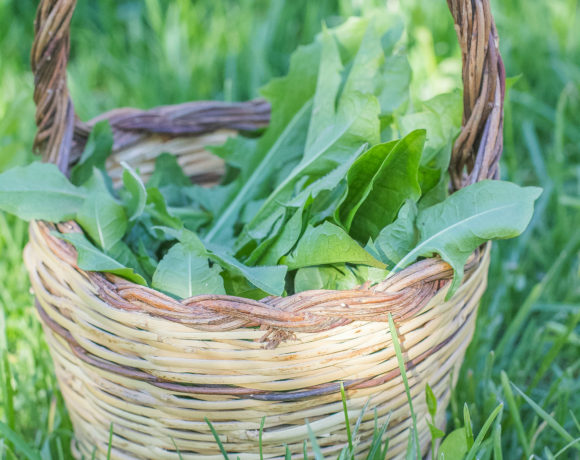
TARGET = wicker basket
(156,367)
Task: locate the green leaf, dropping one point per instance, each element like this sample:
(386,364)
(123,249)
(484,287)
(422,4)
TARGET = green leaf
(167,172)
(436,433)
(337,277)
(185,272)
(334,277)
(328,244)
(236,151)
(284,241)
(399,238)
(366,273)
(135,192)
(97,149)
(92,259)
(362,77)
(145,259)
(270,279)
(454,446)
(191,217)
(431,401)
(441,118)
(123,254)
(101,217)
(393,89)
(157,209)
(480,212)
(360,179)
(168,177)
(39,191)
(327,86)
(379,182)
(239,286)
(189,238)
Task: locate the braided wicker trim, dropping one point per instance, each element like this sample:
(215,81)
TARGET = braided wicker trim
(402,295)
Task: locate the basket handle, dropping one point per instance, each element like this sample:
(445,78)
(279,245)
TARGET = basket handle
(476,151)
(55,117)
(478,147)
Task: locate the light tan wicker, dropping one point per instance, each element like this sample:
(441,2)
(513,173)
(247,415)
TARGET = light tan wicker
(156,368)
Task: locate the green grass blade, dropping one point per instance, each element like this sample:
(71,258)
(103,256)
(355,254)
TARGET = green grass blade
(217,439)
(376,446)
(548,454)
(523,312)
(468,426)
(555,349)
(59,449)
(551,421)
(567,446)
(514,412)
(360,418)
(315,447)
(18,443)
(497,450)
(385,450)
(401,362)
(532,143)
(260,437)
(576,422)
(431,401)
(454,403)
(412,453)
(110,443)
(7,391)
(486,426)
(346,419)
(288,455)
(176,449)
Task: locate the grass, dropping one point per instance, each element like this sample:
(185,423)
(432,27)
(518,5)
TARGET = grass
(526,349)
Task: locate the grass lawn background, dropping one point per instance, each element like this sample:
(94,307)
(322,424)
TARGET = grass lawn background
(144,53)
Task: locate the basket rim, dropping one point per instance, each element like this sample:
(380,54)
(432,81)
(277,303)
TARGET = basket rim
(402,295)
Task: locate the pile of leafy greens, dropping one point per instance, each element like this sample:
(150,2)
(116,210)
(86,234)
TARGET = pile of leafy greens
(347,183)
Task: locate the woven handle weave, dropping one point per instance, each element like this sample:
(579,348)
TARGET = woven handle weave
(475,154)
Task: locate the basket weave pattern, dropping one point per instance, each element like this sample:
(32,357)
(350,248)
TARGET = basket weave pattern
(156,367)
